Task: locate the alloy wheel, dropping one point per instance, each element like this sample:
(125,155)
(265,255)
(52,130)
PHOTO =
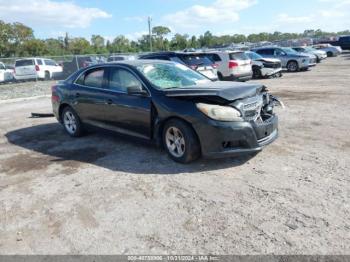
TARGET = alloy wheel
(292,67)
(175,142)
(70,122)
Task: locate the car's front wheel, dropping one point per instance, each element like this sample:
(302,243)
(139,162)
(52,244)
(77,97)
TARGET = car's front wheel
(256,73)
(71,122)
(180,141)
(292,66)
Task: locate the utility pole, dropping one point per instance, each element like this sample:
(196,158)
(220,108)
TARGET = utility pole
(150,32)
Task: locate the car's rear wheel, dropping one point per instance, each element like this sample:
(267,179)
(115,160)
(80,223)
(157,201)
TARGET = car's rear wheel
(71,122)
(180,141)
(292,66)
(220,77)
(47,75)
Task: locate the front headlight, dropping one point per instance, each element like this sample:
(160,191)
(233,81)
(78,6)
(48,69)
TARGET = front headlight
(221,113)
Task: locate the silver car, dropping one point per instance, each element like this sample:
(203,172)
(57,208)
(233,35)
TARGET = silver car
(291,59)
(330,50)
(320,55)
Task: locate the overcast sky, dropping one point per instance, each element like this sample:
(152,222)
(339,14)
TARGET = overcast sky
(52,18)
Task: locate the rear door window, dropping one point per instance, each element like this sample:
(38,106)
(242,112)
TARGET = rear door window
(39,61)
(49,62)
(197,60)
(25,62)
(238,56)
(214,57)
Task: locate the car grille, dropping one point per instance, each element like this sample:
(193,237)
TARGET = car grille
(272,65)
(252,108)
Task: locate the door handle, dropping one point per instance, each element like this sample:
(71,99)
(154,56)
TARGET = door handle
(77,95)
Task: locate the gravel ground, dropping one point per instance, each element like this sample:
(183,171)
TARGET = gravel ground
(25,89)
(104,194)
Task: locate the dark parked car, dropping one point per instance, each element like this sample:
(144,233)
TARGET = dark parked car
(343,42)
(69,67)
(170,104)
(197,61)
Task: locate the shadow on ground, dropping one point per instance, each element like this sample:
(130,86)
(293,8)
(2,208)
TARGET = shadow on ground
(104,149)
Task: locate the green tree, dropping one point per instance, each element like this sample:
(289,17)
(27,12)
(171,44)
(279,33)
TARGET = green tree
(98,43)
(55,47)
(5,38)
(80,45)
(206,40)
(33,47)
(66,42)
(120,44)
(160,32)
(179,42)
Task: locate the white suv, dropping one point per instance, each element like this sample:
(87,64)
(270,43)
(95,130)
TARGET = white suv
(6,73)
(36,68)
(232,65)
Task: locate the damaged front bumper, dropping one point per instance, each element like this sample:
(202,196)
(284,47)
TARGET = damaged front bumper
(223,139)
(267,72)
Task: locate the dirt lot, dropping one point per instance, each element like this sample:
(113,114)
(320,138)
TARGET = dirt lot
(104,194)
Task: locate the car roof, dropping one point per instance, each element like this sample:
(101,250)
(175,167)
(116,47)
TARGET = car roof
(137,62)
(173,53)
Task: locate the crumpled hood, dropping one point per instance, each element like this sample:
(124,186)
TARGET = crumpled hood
(229,91)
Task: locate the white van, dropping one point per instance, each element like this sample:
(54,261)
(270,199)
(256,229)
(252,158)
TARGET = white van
(36,68)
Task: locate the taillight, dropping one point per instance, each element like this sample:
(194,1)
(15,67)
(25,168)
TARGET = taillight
(232,64)
(215,66)
(54,96)
(37,68)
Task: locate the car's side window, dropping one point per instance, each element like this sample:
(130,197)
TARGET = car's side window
(120,79)
(278,52)
(216,58)
(162,58)
(39,61)
(92,78)
(49,62)
(265,52)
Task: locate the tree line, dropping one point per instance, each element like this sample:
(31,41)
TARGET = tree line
(17,40)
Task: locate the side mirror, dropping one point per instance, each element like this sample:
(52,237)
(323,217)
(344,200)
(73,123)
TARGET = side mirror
(136,90)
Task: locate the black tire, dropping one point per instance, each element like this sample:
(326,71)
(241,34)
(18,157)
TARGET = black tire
(292,66)
(329,54)
(76,131)
(220,77)
(191,149)
(256,73)
(47,76)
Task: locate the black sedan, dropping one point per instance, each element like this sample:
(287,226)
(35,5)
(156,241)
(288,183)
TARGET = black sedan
(170,104)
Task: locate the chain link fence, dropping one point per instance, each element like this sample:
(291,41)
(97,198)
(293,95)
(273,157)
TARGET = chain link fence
(68,63)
